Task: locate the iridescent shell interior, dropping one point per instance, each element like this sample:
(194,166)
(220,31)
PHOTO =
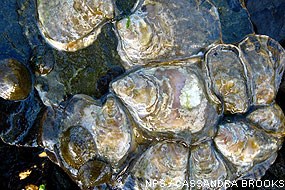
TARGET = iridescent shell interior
(189,108)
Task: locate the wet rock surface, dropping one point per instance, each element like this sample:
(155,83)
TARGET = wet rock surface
(267,17)
(20,39)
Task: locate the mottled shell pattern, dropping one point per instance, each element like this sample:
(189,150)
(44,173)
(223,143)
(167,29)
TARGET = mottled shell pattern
(189,108)
(72,25)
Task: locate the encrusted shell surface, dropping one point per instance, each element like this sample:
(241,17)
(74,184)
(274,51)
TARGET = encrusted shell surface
(168,99)
(228,77)
(15,80)
(162,166)
(72,24)
(244,145)
(166,124)
(266,59)
(270,118)
(157,31)
(89,133)
(206,164)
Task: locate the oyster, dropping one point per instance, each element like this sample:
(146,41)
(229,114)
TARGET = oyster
(206,164)
(162,166)
(266,58)
(168,99)
(72,25)
(228,77)
(89,134)
(249,74)
(165,125)
(157,30)
(245,146)
(15,80)
(270,118)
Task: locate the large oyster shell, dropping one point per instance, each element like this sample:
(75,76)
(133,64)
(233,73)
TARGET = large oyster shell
(157,31)
(168,99)
(72,24)
(247,74)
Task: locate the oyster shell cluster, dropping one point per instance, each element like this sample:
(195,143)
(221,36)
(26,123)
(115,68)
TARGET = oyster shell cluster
(189,108)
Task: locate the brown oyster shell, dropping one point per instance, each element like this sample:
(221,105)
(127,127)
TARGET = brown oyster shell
(206,164)
(270,118)
(162,166)
(70,25)
(228,77)
(265,59)
(168,99)
(15,80)
(244,145)
(157,31)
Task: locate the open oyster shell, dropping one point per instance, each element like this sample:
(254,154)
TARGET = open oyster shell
(157,31)
(72,24)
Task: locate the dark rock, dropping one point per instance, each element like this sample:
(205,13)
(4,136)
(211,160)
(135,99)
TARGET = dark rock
(13,42)
(234,19)
(125,7)
(18,118)
(268,17)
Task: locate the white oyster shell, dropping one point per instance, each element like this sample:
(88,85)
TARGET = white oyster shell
(163,30)
(73,24)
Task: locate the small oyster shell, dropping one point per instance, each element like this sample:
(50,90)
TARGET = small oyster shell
(157,30)
(94,173)
(113,131)
(73,24)
(270,118)
(162,166)
(206,164)
(15,80)
(228,75)
(77,146)
(168,99)
(266,60)
(244,145)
